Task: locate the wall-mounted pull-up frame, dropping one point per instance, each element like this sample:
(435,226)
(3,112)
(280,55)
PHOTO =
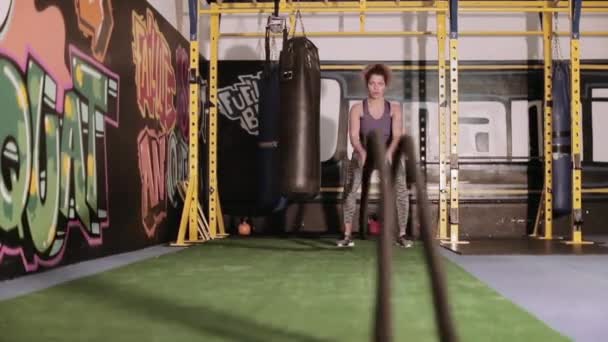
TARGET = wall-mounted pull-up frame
(445,10)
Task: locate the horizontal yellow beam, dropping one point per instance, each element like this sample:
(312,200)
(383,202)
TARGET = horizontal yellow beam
(426,4)
(414,33)
(594,67)
(328,4)
(500,33)
(588,34)
(511,10)
(387,10)
(461,67)
(336,34)
(488,191)
(292,9)
(434,67)
(537,3)
(529,33)
(595,191)
(402,6)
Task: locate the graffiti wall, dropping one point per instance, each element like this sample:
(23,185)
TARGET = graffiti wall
(92,125)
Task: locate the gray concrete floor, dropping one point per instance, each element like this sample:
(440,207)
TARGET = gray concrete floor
(569,293)
(40,281)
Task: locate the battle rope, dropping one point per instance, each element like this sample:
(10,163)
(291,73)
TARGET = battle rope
(376,151)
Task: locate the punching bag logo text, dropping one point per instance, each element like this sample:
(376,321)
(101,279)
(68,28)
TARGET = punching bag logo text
(240,102)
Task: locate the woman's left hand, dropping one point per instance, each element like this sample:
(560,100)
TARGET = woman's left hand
(389,156)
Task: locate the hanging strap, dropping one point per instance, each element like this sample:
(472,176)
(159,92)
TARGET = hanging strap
(298,18)
(267,38)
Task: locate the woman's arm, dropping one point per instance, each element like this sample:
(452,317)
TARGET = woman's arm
(397,129)
(354,126)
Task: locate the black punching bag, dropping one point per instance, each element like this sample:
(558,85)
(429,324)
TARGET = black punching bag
(269,198)
(299,141)
(562,160)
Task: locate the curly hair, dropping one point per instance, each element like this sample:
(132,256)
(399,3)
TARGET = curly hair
(377,69)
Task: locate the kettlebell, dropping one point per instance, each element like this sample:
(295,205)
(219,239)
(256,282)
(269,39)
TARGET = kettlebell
(244,227)
(374,225)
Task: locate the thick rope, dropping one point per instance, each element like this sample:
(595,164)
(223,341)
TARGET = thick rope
(376,151)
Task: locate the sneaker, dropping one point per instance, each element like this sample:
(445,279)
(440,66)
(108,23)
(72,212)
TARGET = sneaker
(346,242)
(403,242)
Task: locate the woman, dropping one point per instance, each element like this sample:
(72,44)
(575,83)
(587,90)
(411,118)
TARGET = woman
(375,113)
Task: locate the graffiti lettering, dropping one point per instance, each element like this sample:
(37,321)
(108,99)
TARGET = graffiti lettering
(154,75)
(95,20)
(151,149)
(177,166)
(50,165)
(5,15)
(26,35)
(181,59)
(240,102)
(157,86)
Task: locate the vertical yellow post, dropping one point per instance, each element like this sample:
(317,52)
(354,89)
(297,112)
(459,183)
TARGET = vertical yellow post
(362,6)
(213,199)
(576,124)
(193,144)
(547,204)
(188,227)
(443,110)
(576,140)
(454,198)
(454,101)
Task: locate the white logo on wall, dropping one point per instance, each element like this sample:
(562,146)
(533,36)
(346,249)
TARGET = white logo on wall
(5,13)
(240,102)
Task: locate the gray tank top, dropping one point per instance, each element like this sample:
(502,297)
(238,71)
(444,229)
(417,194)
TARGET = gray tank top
(370,124)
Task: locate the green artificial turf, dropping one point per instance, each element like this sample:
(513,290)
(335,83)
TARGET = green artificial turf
(262,290)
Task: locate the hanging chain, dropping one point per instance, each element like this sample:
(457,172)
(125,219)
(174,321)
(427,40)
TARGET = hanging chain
(556,47)
(275,50)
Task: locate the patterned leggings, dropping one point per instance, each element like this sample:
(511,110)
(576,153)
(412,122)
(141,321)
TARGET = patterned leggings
(355,173)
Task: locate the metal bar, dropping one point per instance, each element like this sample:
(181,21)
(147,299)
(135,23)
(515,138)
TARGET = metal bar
(362,7)
(334,34)
(185,218)
(329,4)
(443,131)
(594,67)
(322,10)
(254,10)
(414,33)
(575,18)
(487,192)
(188,222)
(453,214)
(435,67)
(576,122)
(454,100)
(454,207)
(221,231)
(547,204)
(453,19)
(513,10)
(501,33)
(422,5)
(213,129)
(594,33)
(193,138)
